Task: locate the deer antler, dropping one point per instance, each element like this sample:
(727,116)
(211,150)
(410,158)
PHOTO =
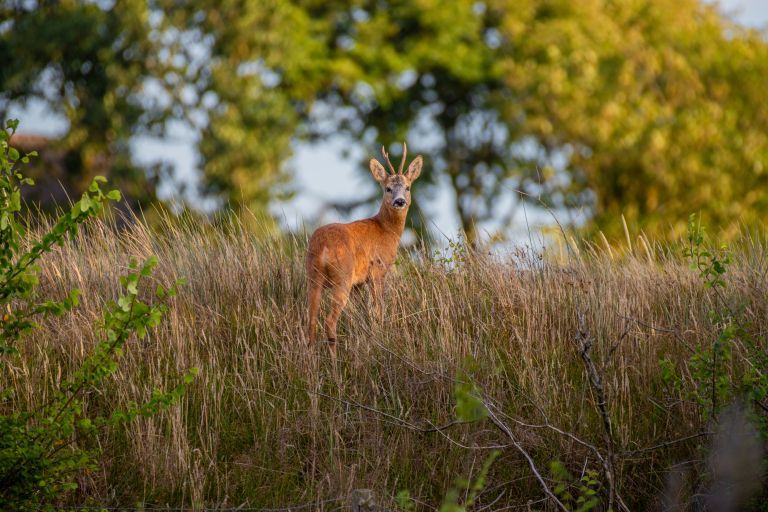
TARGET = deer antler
(402,162)
(386,155)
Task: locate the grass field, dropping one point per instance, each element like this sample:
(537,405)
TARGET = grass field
(267,423)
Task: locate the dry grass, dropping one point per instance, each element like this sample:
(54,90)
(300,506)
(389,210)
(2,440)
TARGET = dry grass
(267,423)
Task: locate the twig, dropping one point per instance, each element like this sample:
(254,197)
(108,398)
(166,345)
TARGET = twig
(616,343)
(630,453)
(505,429)
(395,419)
(491,504)
(467,447)
(673,332)
(569,435)
(585,343)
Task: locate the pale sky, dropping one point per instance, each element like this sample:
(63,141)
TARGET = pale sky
(321,174)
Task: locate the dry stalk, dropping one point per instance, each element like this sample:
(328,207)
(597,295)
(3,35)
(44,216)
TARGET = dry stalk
(586,342)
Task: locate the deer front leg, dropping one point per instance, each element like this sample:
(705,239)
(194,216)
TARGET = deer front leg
(376,280)
(339,298)
(377,285)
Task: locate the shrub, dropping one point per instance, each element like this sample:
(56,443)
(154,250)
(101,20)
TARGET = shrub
(43,450)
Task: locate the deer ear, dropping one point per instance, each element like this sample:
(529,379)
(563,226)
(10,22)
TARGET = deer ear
(414,169)
(378,171)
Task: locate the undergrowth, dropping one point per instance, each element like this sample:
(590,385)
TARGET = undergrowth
(476,355)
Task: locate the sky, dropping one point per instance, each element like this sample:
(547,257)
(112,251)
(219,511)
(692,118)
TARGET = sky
(320,172)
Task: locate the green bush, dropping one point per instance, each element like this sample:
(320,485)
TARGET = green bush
(43,450)
(716,385)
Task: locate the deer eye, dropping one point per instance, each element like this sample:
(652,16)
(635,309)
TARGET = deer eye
(389,189)
(407,188)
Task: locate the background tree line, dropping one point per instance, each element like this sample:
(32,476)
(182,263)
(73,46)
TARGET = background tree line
(644,108)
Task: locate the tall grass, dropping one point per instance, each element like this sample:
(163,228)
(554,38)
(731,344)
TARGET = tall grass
(269,423)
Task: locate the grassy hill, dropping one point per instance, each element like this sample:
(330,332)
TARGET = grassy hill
(268,423)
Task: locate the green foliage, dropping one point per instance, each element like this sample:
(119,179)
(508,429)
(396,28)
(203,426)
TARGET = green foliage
(454,255)
(587,488)
(469,405)
(469,489)
(89,63)
(18,269)
(711,265)
(562,101)
(712,367)
(404,501)
(668,374)
(44,449)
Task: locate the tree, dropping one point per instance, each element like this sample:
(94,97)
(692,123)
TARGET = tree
(648,109)
(427,71)
(127,68)
(656,104)
(89,64)
(246,107)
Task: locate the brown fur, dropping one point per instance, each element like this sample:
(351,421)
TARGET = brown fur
(341,256)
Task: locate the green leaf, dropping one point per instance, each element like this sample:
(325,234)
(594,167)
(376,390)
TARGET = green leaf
(149,264)
(125,303)
(85,203)
(190,375)
(469,407)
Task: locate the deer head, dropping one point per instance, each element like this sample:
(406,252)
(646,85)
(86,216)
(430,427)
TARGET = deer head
(396,185)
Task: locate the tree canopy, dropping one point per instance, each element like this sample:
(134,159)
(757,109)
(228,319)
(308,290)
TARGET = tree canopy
(643,108)
(89,64)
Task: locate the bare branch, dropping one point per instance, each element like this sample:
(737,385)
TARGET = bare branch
(616,344)
(676,334)
(506,430)
(585,341)
(569,435)
(395,419)
(630,453)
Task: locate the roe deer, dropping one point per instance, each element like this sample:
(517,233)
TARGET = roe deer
(341,256)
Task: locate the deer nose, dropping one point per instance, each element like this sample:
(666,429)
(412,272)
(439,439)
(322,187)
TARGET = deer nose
(399,202)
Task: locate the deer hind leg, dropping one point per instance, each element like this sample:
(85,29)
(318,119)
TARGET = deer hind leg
(314,295)
(339,298)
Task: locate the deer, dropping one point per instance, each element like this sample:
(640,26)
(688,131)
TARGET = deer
(343,256)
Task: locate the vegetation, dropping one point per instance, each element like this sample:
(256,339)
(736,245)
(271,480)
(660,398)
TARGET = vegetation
(585,376)
(414,401)
(648,109)
(45,447)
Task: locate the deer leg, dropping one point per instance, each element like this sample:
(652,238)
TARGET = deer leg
(376,292)
(339,297)
(314,296)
